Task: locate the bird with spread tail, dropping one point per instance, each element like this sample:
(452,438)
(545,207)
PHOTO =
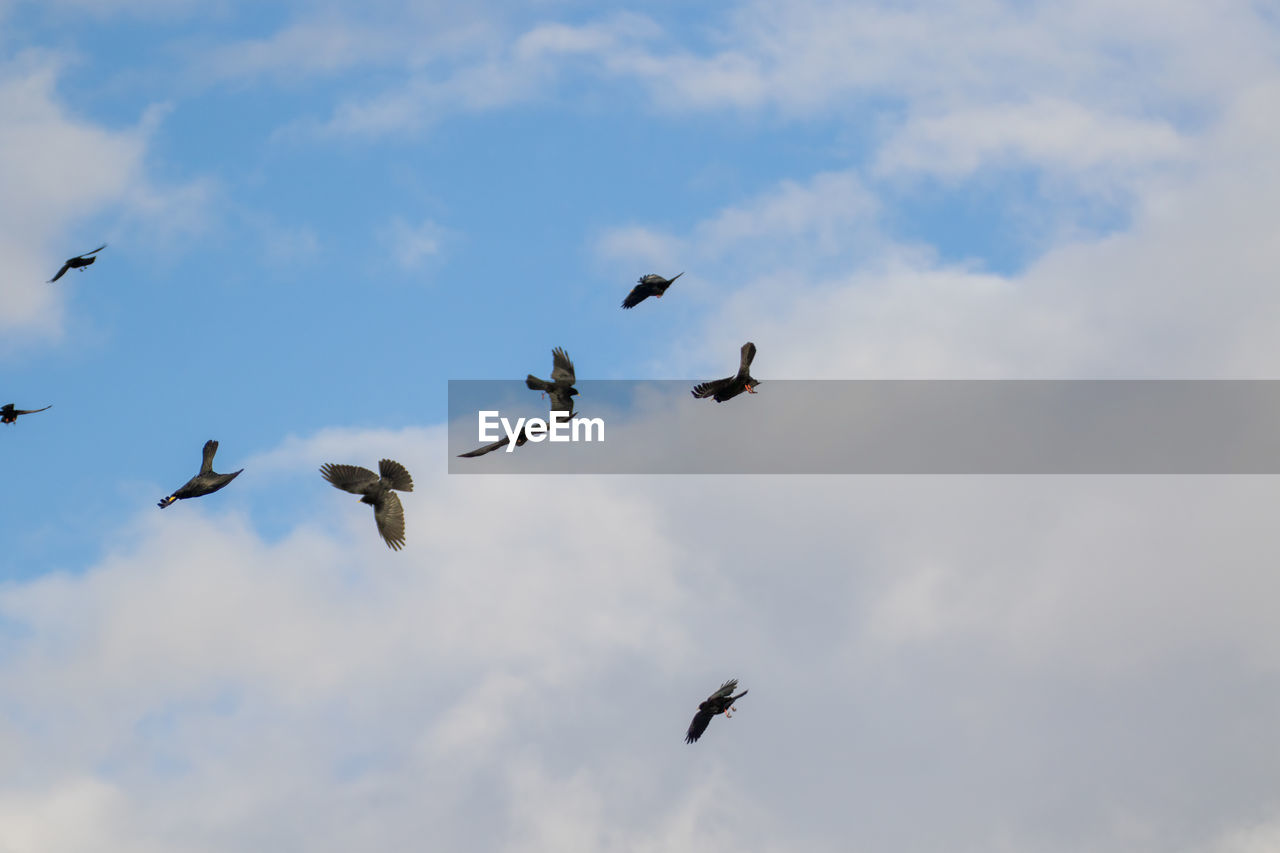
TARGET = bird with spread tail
(206,482)
(78,262)
(720,702)
(650,285)
(376,491)
(560,388)
(731,386)
(9,414)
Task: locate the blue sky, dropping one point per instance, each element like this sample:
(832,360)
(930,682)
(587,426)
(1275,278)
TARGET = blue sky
(318,214)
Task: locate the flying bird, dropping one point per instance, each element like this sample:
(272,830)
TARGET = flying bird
(646,286)
(560,388)
(78,262)
(204,483)
(522,438)
(720,702)
(377,492)
(8,414)
(731,386)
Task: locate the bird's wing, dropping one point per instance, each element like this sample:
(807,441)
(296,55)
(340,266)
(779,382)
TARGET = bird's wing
(13,411)
(349,478)
(726,689)
(701,720)
(638,294)
(61,272)
(389,513)
(489,448)
(94,252)
(561,367)
(561,400)
(206,463)
(396,475)
(748,353)
(709,389)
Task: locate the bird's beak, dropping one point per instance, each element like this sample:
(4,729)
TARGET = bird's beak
(676,276)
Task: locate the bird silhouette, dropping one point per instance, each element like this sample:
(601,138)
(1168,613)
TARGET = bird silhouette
(78,262)
(204,483)
(560,388)
(8,414)
(731,386)
(650,285)
(720,702)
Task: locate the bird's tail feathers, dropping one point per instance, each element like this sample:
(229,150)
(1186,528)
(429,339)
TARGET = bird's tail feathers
(536,384)
(396,475)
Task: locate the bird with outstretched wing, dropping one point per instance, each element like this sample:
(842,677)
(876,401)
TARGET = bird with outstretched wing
(9,414)
(78,262)
(731,386)
(204,483)
(377,491)
(560,389)
(720,702)
(650,285)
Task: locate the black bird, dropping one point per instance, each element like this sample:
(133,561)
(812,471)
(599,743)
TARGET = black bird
(204,483)
(78,262)
(8,414)
(646,286)
(522,438)
(560,388)
(732,386)
(720,702)
(377,492)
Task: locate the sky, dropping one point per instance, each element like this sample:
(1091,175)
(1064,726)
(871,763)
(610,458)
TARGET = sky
(320,213)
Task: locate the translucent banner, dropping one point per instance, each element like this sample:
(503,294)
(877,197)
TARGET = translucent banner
(872,427)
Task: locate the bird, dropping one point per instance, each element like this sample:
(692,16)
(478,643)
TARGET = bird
(650,285)
(522,437)
(78,262)
(560,388)
(720,702)
(377,492)
(9,415)
(206,482)
(731,386)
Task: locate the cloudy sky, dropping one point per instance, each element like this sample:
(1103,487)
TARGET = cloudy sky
(319,213)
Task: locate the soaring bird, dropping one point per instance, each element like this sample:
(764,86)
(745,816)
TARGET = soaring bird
(560,388)
(720,702)
(377,492)
(646,286)
(522,437)
(78,262)
(8,414)
(204,483)
(731,386)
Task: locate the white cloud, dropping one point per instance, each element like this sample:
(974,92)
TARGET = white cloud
(413,245)
(1047,133)
(519,678)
